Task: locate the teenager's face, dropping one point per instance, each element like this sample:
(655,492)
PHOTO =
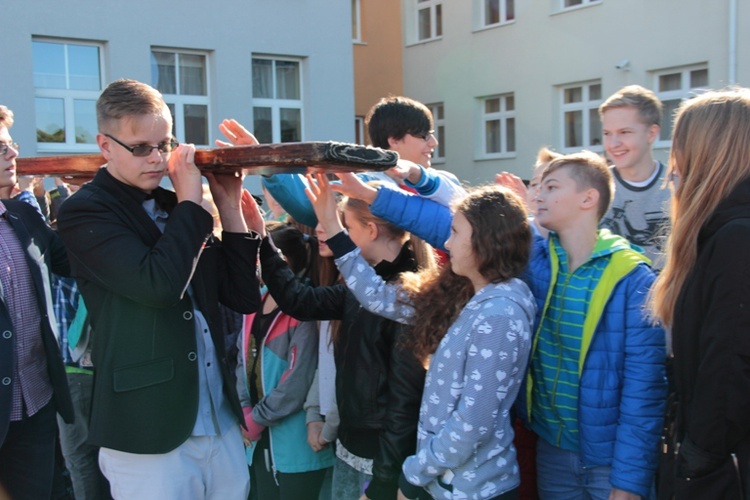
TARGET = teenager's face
(8,160)
(463,261)
(322,236)
(144,173)
(559,200)
(414,148)
(534,185)
(627,140)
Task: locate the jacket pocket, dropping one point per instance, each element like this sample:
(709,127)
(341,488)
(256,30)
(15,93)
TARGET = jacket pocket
(141,375)
(724,482)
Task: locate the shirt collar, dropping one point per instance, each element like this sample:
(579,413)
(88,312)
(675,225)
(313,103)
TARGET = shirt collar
(163,197)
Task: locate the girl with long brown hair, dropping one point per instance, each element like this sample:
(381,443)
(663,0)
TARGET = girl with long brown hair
(472,324)
(703,293)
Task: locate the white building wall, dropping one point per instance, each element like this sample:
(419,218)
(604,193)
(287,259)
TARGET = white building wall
(544,48)
(232,31)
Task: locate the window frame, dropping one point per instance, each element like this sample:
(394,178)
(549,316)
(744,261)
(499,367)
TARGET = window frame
(683,93)
(69,96)
(586,106)
(277,104)
(438,123)
(480,7)
(561,7)
(503,115)
(179,101)
(359,130)
(436,31)
(357,21)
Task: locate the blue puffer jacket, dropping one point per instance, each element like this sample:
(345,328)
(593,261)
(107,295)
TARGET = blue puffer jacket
(623,385)
(622,388)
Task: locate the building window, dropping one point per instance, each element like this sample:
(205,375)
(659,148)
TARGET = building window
(359,130)
(499,122)
(438,119)
(277,100)
(67,82)
(495,12)
(582,127)
(570,4)
(672,87)
(356,21)
(182,78)
(429,18)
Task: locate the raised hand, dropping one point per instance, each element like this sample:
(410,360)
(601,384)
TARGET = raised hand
(321,196)
(512,182)
(252,214)
(353,187)
(236,134)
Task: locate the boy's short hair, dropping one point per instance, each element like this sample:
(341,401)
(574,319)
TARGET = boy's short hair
(124,98)
(588,170)
(642,99)
(545,155)
(396,116)
(6,117)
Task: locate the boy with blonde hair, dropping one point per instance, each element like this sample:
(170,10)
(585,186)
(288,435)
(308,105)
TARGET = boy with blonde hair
(595,388)
(631,119)
(152,275)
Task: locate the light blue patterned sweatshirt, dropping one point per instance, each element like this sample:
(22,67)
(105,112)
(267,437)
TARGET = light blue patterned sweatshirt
(465,435)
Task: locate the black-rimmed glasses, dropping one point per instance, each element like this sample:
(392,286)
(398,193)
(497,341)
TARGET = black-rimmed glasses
(145,149)
(5,146)
(426,136)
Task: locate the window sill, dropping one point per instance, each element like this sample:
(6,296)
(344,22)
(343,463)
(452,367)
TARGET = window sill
(565,10)
(493,26)
(496,156)
(425,41)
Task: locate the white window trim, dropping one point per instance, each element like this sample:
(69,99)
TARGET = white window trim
(68,97)
(502,116)
(585,106)
(277,104)
(414,9)
(179,100)
(437,123)
(357,8)
(558,6)
(359,129)
(480,23)
(683,93)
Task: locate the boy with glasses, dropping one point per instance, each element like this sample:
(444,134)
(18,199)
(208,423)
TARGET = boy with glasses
(152,275)
(33,386)
(397,123)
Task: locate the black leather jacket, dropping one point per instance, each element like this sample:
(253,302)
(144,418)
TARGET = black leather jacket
(378,383)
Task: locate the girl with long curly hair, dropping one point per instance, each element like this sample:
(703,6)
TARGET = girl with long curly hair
(472,325)
(703,294)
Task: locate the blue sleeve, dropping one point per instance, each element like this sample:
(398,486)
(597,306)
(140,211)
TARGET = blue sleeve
(289,191)
(644,391)
(424,218)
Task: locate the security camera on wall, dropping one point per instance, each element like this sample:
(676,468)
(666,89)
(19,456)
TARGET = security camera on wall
(623,64)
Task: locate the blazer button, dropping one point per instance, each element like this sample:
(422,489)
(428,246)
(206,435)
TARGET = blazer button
(187,315)
(192,356)
(7,334)
(6,381)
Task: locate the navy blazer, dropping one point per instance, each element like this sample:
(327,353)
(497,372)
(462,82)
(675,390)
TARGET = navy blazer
(44,253)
